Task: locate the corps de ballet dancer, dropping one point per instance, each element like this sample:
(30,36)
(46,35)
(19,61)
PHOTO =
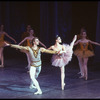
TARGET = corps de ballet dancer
(83,53)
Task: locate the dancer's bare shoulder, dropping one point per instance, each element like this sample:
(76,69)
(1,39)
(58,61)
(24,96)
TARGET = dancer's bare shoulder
(51,47)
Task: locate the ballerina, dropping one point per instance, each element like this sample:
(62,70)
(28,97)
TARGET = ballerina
(83,53)
(64,57)
(2,45)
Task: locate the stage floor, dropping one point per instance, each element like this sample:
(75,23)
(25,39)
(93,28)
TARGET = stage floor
(15,81)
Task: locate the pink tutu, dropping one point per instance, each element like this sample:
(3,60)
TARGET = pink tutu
(63,59)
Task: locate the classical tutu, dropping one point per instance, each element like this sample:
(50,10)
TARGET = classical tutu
(84,54)
(63,59)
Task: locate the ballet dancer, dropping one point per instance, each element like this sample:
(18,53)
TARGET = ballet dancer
(83,53)
(2,45)
(63,58)
(28,42)
(34,53)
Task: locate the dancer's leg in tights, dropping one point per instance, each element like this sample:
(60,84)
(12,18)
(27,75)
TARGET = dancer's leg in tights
(81,66)
(38,70)
(85,68)
(62,77)
(1,57)
(32,76)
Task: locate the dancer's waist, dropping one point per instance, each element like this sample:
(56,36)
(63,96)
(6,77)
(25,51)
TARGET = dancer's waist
(36,63)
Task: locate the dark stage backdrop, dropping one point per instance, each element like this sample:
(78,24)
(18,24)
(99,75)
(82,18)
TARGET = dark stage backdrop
(84,14)
(97,49)
(49,18)
(16,15)
(55,19)
(12,16)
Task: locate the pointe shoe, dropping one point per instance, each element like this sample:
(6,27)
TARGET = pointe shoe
(63,86)
(86,78)
(32,87)
(75,37)
(38,92)
(1,65)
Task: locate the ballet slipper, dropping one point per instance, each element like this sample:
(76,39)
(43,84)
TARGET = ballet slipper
(86,78)
(38,92)
(63,86)
(1,65)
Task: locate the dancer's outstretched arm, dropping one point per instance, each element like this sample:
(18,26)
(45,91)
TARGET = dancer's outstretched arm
(42,44)
(23,41)
(92,42)
(48,51)
(10,37)
(76,42)
(63,50)
(17,46)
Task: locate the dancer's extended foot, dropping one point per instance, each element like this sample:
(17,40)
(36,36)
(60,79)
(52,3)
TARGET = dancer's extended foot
(85,77)
(63,86)
(38,92)
(75,37)
(1,65)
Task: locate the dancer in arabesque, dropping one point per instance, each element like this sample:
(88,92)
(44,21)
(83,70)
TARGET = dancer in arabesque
(64,57)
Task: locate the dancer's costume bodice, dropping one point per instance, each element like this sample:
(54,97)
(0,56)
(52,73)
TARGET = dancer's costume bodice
(2,37)
(83,50)
(29,42)
(34,55)
(84,46)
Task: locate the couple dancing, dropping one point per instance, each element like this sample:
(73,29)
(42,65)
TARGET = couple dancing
(62,56)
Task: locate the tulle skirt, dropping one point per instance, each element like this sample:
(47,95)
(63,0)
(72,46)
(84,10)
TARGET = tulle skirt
(63,59)
(83,54)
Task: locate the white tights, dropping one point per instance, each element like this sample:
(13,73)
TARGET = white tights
(33,77)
